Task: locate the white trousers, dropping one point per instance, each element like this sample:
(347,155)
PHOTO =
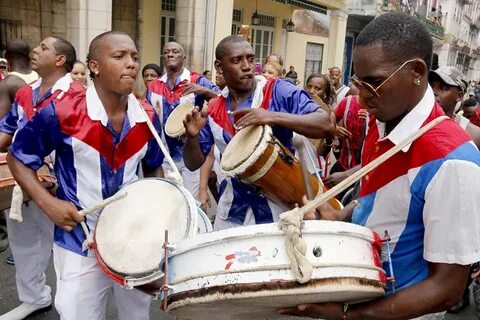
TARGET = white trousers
(191,179)
(31,245)
(82,290)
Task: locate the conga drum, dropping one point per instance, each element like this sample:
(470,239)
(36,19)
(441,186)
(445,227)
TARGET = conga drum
(245,273)
(130,232)
(174,125)
(256,157)
(7,182)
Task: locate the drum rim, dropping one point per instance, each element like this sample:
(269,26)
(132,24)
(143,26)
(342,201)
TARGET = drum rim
(258,150)
(191,228)
(177,110)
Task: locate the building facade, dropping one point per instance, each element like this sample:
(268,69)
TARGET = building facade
(453,24)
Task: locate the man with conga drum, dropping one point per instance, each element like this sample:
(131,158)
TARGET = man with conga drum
(427,196)
(31,239)
(100,137)
(248,100)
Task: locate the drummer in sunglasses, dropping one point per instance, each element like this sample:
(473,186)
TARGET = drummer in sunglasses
(428,188)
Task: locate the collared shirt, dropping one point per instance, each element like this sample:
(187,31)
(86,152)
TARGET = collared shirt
(427,196)
(28,102)
(92,160)
(239,203)
(165,99)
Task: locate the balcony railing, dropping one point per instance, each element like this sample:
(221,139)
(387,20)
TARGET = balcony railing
(432,27)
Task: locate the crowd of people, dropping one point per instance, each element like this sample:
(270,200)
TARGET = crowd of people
(425,195)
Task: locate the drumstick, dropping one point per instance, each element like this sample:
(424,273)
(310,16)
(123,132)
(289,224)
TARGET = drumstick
(103,203)
(300,147)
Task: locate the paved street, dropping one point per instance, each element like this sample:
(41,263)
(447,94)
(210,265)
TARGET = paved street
(8,297)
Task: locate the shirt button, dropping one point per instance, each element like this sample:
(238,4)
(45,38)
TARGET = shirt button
(34,109)
(367,177)
(377,148)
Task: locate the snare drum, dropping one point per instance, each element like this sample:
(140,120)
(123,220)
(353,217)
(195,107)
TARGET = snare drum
(255,156)
(245,273)
(7,182)
(174,125)
(130,232)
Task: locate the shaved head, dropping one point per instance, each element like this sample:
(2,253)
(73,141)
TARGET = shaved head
(17,49)
(94,48)
(174,44)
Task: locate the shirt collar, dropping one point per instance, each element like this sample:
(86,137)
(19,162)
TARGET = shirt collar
(261,81)
(96,110)
(412,122)
(62,84)
(184,76)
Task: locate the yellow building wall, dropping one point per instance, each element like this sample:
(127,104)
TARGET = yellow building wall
(150,42)
(296,52)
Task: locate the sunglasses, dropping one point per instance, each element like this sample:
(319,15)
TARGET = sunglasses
(371,90)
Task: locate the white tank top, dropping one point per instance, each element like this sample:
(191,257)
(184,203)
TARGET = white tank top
(28,78)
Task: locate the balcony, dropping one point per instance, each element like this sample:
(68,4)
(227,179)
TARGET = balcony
(434,29)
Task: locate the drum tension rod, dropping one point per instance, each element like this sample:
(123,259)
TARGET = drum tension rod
(386,239)
(165,286)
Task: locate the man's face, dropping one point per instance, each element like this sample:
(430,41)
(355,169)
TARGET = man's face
(44,57)
(117,63)
(468,111)
(238,66)
(395,94)
(446,96)
(335,75)
(173,56)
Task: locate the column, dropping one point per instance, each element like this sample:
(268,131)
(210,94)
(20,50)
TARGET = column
(336,43)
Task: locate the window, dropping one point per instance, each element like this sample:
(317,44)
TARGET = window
(237,20)
(313,59)
(262,37)
(167,25)
(169,5)
(9,29)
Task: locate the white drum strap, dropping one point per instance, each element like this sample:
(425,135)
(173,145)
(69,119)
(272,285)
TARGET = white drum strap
(267,166)
(16,206)
(291,223)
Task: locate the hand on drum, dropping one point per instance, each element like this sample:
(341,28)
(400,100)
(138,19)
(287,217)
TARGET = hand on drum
(334,178)
(319,311)
(195,121)
(250,117)
(324,212)
(204,199)
(63,214)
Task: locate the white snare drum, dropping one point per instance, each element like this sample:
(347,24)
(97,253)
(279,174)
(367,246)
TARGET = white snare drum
(204,223)
(131,231)
(174,125)
(244,273)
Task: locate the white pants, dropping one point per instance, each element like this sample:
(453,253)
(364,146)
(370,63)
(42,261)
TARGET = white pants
(82,290)
(31,245)
(191,179)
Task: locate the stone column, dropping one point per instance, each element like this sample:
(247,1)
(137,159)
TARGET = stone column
(336,43)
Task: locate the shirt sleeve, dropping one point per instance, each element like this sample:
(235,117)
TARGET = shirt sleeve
(452,214)
(291,99)
(9,123)
(154,156)
(204,82)
(205,138)
(37,139)
(340,109)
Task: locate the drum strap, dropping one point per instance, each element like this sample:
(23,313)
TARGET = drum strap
(291,221)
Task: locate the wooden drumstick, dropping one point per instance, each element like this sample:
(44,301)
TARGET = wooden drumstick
(103,203)
(300,147)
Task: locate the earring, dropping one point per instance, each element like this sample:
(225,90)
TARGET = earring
(96,73)
(416,82)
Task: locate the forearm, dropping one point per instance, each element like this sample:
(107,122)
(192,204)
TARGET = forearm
(205,170)
(192,154)
(313,125)
(28,180)
(5,141)
(155,173)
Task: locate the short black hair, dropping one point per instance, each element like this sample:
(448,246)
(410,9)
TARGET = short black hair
(153,66)
(470,102)
(93,47)
(220,50)
(63,47)
(205,72)
(17,49)
(401,36)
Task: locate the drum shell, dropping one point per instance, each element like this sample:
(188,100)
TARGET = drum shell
(248,268)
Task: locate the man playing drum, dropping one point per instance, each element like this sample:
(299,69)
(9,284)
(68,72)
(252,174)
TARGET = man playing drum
(100,137)
(427,196)
(288,109)
(178,85)
(31,240)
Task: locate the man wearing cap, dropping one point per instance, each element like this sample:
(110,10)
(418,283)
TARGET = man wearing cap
(449,85)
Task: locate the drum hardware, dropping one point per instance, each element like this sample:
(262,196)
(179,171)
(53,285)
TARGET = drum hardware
(165,288)
(386,239)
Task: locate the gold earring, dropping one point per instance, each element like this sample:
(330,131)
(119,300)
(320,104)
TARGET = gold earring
(416,82)
(96,73)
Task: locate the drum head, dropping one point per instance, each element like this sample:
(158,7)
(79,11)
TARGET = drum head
(244,149)
(130,232)
(174,126)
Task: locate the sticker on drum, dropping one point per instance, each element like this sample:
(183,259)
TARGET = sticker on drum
(130,232)
(245,273)
(174,125)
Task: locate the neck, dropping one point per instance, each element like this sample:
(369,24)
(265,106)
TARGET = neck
(49,78)
(21,66)
(173,74)
(416,97)
(113,103)
(449,112)
(338,85)
(239,96)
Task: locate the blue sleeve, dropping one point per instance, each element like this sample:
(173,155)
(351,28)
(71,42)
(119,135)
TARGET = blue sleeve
(37,139)
(154,155)
(291,99)
(205,138)
(9,123)
(204,82)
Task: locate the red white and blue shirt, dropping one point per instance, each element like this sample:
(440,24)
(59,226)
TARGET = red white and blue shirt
(427,196)
(28,102)
(165,99)
(239,203)
(92,160)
